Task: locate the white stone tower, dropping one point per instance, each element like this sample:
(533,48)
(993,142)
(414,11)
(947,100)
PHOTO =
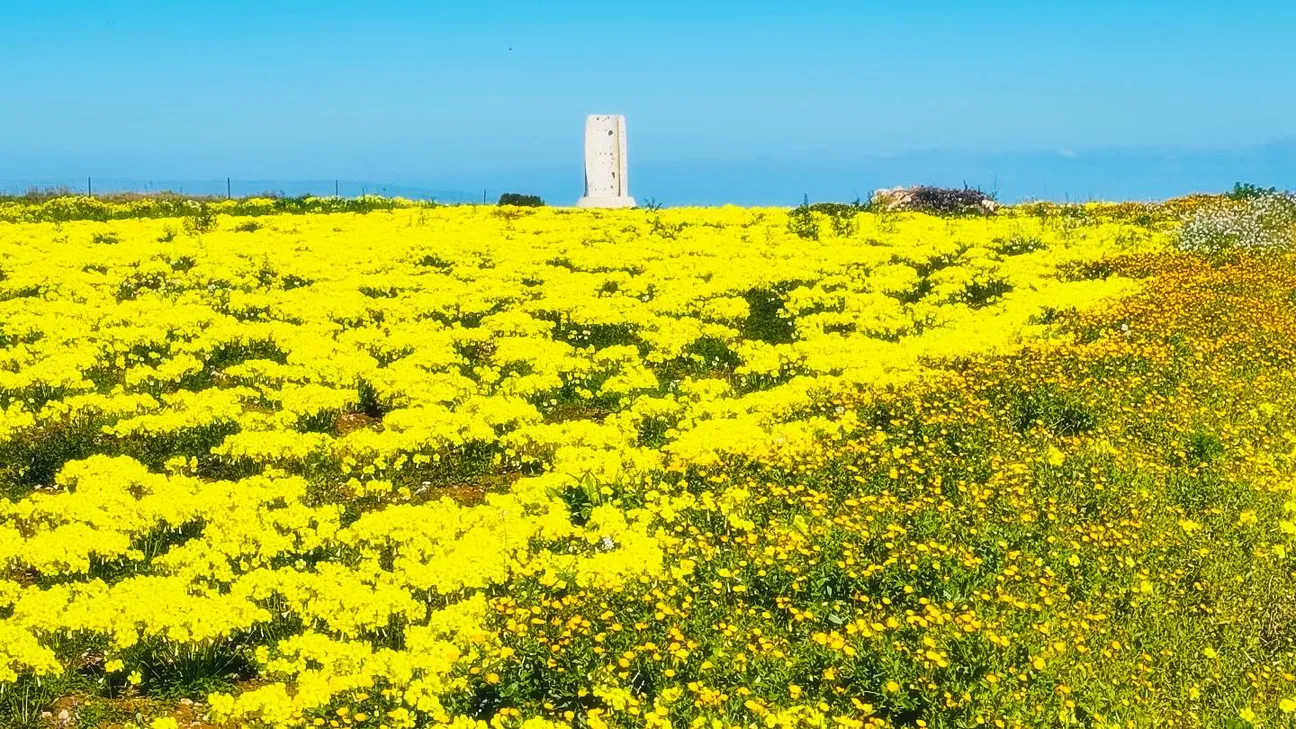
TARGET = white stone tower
(606,183)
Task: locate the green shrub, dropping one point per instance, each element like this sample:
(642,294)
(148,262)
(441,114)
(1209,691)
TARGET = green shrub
(1247,191)
(200,220)
(802,223)
(840,215)
(522,201)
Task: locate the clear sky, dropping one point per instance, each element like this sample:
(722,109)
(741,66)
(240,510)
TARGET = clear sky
(748,102)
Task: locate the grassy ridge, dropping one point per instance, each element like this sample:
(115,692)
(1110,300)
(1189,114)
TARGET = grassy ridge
(79,207)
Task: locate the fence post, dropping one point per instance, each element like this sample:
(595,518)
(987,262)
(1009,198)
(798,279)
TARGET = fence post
(89,189)
(335,189)
(228,196)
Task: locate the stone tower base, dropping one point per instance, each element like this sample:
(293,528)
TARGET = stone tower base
(622,201)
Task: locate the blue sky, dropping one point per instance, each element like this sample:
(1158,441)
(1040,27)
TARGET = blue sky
(726,102)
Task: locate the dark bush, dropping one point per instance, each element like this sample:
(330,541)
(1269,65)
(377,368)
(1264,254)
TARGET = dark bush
(950,200)
(1247,191)
(517,199)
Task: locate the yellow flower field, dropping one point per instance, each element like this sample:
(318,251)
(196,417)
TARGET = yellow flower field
(692,467)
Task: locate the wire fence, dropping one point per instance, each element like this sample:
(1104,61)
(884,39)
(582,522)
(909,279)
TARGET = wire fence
(231,187)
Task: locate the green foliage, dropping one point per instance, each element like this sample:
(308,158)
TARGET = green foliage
(520,200)
(1248,191)
(983,293)
(801,221)
(840,215)
(68,208)
(768,321)
(22,702)
(192,670)
(201,220)
(1019,244)
(1057,412)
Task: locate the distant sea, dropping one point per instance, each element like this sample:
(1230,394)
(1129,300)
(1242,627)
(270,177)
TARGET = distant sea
(1060,175)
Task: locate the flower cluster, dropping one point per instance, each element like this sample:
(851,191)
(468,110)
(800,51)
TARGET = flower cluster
(1264,222)
(538,468)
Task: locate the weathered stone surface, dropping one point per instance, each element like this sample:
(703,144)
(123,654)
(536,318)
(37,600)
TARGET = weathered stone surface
(892,198)
(606,176)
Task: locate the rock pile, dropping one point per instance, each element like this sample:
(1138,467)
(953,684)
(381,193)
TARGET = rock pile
(927,199)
